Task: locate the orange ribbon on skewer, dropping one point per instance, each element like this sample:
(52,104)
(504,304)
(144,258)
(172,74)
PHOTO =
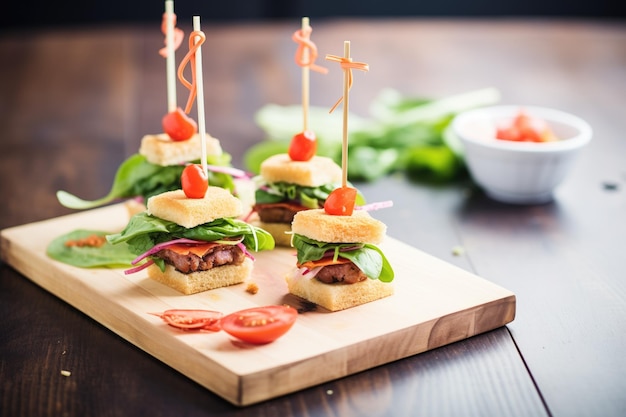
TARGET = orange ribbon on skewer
(196,39)
(347,65)
(178,35)
(303,38)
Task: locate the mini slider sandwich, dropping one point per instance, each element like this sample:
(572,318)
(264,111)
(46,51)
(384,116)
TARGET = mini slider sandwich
(338,264)
(194,244)
(157,168)
(286,187)
(158,165)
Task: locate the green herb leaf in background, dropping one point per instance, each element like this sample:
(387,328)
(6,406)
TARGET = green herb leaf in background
(136,177)
(404,134)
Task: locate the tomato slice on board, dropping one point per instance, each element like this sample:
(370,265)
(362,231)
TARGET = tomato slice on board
(192,319)
(194,181)
(178,125)
(303,146)
(341,201)
(260,325)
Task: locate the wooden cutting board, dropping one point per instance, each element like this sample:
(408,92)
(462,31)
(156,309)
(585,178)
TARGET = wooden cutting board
(435,303)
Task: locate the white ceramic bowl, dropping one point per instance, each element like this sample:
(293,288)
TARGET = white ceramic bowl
(519,172)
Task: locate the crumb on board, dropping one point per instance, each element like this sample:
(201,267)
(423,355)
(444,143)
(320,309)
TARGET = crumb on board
(610,186)
(458,250)
(65,373)
(252,288)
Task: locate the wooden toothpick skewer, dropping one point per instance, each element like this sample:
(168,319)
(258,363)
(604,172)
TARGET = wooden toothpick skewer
(346,92)
(200,97)
(347,65)
(170,64)
(305,80)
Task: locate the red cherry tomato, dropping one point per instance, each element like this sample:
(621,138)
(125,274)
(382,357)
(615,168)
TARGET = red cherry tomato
(525,129)
(192,319)
(260,325)
(194,182)
(178,125)
(303,146)
(341,201)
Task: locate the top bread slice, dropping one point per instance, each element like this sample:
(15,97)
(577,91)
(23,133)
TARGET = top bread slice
(190,212)
(359,227)
(317,171)
(161,150)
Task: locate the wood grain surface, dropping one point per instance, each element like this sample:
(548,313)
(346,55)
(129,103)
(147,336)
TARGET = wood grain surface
(433,305)
(74,103)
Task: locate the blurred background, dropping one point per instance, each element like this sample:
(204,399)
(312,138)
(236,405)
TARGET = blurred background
(42,13)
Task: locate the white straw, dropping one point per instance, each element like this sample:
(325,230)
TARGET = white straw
(346,93)
(200,97)
(305,81)
(170,65)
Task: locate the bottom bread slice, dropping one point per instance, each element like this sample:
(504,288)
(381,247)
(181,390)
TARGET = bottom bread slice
(335,297)
(194,282)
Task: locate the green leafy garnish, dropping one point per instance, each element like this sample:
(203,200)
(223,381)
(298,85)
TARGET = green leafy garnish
(310,197)
(404,134)
(144,231)
(136,177)
(106,255)
(368,258)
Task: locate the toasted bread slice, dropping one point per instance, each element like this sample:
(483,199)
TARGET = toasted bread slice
(359,227)
(194,282)
(338,296)
(317,171)
(190,212)
(161,150)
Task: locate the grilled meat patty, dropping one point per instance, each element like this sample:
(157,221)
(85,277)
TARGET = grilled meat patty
(216,256)
(275,214)
(347,273)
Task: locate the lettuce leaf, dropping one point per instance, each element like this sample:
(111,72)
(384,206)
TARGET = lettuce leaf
(136,177)
(309,197)
(107,255)
(368,258)
(144,231)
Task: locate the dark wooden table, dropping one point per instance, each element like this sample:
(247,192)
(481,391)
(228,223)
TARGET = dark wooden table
(75,103)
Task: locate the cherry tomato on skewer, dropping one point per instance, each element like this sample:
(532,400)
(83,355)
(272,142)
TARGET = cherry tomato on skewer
(178,125)
(341,201)
(303,146)
(194,181)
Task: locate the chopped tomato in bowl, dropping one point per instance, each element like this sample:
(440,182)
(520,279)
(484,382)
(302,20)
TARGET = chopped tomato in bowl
(525,128)
(520,154)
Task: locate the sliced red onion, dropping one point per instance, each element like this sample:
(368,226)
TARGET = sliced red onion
(237,173)
(309,273)
(246,218)
(245,250)
(375,206)
(138,268)
(330,254)
(163,245)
